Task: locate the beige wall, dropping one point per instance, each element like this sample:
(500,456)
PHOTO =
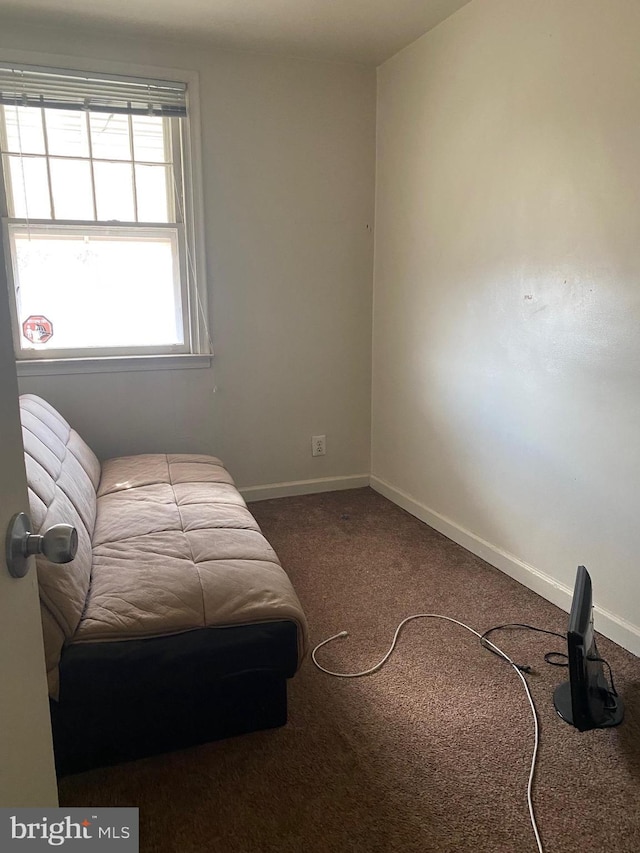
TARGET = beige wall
(288,164)
(506,397)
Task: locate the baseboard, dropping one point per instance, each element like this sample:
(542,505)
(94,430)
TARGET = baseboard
(607,623)
(303,487)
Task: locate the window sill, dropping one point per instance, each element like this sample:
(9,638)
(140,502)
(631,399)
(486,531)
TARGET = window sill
(111,364)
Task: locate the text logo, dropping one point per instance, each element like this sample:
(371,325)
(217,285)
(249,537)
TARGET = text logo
(70,829)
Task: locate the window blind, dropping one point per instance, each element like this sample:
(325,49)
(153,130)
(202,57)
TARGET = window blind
(32,86)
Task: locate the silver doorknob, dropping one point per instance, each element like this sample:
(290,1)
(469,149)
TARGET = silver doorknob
(59,544)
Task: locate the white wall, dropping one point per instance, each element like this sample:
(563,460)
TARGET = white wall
(288,163)
(506,397)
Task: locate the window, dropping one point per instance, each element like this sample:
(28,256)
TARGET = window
(94,197)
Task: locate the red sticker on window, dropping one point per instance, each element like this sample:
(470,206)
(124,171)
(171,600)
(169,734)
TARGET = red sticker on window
(37,329)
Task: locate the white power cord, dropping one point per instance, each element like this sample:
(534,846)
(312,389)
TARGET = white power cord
(499,651)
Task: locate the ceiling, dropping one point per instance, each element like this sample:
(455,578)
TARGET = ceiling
(368,31)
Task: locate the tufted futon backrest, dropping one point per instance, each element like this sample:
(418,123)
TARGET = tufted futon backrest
(62,474)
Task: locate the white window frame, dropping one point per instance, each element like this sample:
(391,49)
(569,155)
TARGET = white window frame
(197,351)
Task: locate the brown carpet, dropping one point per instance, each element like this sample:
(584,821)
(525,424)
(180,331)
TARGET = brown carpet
(431,753)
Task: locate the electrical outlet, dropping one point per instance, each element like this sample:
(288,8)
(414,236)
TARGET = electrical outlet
(318,445)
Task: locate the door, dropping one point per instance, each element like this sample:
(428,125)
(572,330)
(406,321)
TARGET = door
(27,776)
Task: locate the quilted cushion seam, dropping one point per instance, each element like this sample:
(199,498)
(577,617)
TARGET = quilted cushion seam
(77,458)
(204,612)
(56,480)
(170,530)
